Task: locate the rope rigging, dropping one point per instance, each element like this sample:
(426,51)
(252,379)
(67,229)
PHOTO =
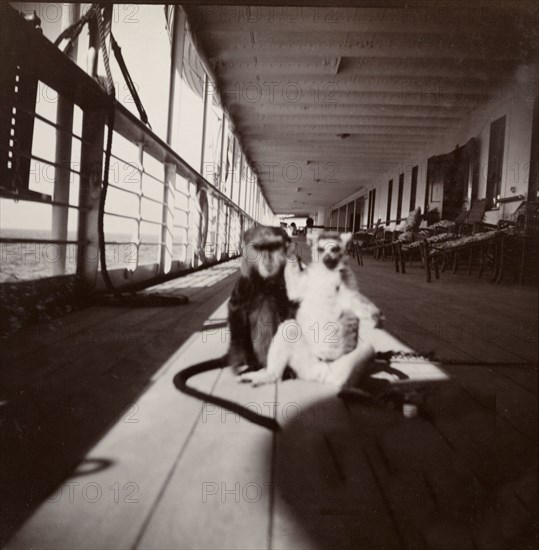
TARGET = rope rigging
(102,15)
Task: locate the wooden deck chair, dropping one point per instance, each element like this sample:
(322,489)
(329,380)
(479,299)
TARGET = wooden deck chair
(481,241)
(408,251)
(474,218)
(356,252)
(406,231)
(409,227)
(467,223)
(366,237)
(508,246)
(520,242)
(362,239)
(441,232)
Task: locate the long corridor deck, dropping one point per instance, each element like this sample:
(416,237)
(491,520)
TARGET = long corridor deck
(95,430)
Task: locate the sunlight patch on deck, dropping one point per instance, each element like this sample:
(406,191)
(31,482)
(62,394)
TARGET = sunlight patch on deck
(199,279)
(108,499)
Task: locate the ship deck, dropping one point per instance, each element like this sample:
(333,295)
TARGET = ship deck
(101,450)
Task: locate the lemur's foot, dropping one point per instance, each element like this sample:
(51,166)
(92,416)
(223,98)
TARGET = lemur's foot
(257,378)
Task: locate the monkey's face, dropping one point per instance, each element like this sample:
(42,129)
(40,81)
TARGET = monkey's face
(330,248)
(265,252)
(271,260)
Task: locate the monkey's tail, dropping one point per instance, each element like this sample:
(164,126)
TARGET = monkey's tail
(180,381)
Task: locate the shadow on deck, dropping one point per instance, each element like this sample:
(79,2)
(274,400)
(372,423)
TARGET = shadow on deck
(65,383)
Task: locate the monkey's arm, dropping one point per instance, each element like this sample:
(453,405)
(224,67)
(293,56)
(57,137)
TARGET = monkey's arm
(259,377)
(279,354)
(238,323)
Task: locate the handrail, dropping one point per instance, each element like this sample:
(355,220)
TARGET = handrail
(57,71)
(134,130)
(47,62)
(28,240)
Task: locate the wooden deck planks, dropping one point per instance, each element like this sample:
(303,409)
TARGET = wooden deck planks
(326,495)
(427,485)
(72,335)
(219,494)
(329,480)
(74,363)
(497,394)
(50,427)
(138,455)
(459,309)
(43,336)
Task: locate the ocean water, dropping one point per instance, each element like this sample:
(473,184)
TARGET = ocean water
(26,261)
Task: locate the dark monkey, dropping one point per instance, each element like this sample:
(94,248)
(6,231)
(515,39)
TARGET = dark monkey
(258,304)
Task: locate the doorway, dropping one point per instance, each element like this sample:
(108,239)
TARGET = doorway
(452,181)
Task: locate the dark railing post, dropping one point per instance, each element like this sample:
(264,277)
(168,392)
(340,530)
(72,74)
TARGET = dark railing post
(165,258)
(91,171)
(204,124)
(64,119)
(217,243)
(226,246)
(231,169)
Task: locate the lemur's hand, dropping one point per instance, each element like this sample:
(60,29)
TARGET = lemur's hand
(294,276)
(292,254)
(291,248)
(378,318)
(258,378)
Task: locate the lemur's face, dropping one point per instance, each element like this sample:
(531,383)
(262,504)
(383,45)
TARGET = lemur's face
(331,248)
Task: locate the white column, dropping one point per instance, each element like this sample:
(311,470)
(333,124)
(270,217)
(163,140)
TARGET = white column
(321,216)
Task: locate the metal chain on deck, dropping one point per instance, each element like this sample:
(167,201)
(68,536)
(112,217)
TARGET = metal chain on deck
(431,356)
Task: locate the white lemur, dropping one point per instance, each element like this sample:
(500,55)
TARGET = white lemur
(322,343)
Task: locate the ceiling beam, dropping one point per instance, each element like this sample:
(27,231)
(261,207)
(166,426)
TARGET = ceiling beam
(303,117)
(319,19)
(302,157)
(380,4)
(381,130)
(264,140)
(317,148)
(432,98)
(373,46)
(250,90)
(332,109)
(318,68)
(362,122)
(313,152)
(284,172)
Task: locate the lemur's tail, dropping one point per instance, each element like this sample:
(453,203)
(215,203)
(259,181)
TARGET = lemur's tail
(180,381)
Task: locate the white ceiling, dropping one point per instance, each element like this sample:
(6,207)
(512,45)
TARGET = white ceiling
(335,96)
